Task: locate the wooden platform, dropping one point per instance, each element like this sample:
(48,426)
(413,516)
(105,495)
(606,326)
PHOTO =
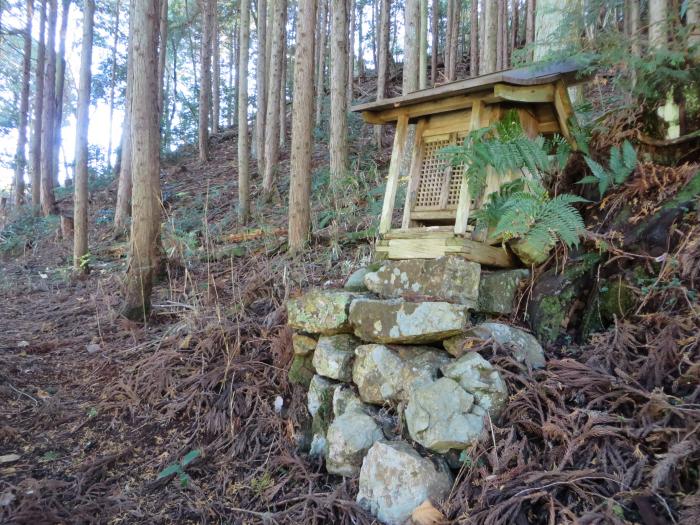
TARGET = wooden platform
(399,244)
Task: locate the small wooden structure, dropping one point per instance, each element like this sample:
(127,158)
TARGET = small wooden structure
(438,204)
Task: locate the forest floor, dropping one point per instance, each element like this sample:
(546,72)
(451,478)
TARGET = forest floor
(103,420)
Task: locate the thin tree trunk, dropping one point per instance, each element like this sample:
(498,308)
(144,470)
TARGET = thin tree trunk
(351,49)
(515,28)
(321,70)
(283,93)
(216,68)
(423,46)
(48,201)
(530,29)
(360,43)
(375,35)
(339,96)
(448,37)
(302,123)
(490,38)
(162,57)
(435,44)
(243,147)
(499,36)
(658,24)
(205,80)
(383,57)
(272,119)
(693,21)
(411,59)
(261,86)
(20,156)
(454,38)
(60,83)
(112,84)
(474,39)
(35,145)
(80,213)
(145,159)
(123,207)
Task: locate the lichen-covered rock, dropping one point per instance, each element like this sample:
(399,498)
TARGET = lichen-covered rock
(334,354)
(478,377)
(452,279)
(497,290)
(321,312)
(356,281)
(301,370)
(345,400)
(398,321)
(442,416)
(395,479)
(349,438)
(524,346)
(320,395)
(303,344)
(383,374)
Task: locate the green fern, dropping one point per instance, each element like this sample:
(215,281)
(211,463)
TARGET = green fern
(621,165)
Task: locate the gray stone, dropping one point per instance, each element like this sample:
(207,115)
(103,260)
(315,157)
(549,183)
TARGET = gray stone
(384,374)
(345,400)
(397,321)
(525,346)
(451,279)
(395,479)
(301,371)
(442,416)
(334,354)
(321,312)
(478,377)
(349,438)
(92,348)
(497,290)
(319,446)
(303,344)
(320,395)
(356,281)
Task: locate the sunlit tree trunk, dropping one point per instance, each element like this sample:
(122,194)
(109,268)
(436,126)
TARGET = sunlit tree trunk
(338,146)
(489,40)
(423,46)
(20,156)
(530,28)
(48,202)
(243,147)
(474,39)
(410,48)
(272,120)
(261,86)
(113,82)
(60,83)
(302,124)
(321,62)
(383,59)
(453,19)
(145,159)
(80,213)
(205,79)
(350,5)
(123,207)
(658,24)
(35,145)
(435,44)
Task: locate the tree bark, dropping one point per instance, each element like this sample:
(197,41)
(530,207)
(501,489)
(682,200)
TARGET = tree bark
(123,206)
(474,39)
(453,39)
(80,213)
(272,119)
(60,84)
(302,122)
(205,79)
(283,93)
(490,34)
(410,48)
(243,147)
(113,82)
(48,201)
(530,28)
(321,70)
(693,21)
(658,31)
(145,159)
(383,59)
(360,43)
(435,44)
(162,57)
(350,6)
(338,146)
(20,156)
(35,145)
(499,36)
(515,17)
(423,46)
(261,86)
(216,69)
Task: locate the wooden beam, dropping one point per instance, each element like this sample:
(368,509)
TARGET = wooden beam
(422,109)
(414,173)
(543,93)
(432,215)
(432,248)
(565,111)
(465,201)
(392,181)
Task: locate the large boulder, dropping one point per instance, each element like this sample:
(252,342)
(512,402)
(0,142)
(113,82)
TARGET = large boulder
(349,437)
(321,312)
(397,321)
(497,290)
(478,377)
(334,354)
(524,346)
(451,279)
(383,374)
(442,416)
(395,479)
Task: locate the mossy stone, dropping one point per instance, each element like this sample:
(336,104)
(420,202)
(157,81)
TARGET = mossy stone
(612,298)
(302,370)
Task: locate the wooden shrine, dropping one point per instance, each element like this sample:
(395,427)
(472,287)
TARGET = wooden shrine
(438,205)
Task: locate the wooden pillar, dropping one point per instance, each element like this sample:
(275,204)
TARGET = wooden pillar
(393,176)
